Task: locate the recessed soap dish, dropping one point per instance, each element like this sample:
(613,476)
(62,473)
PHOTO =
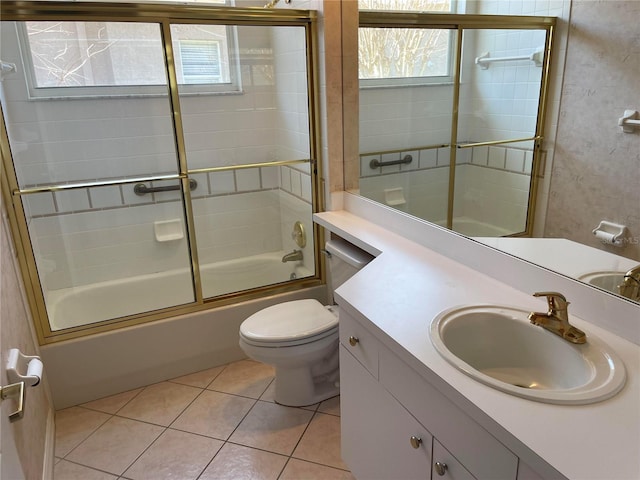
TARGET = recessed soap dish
(168,230)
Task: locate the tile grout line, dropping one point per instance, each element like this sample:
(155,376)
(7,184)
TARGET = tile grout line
(202,390)
(256,400)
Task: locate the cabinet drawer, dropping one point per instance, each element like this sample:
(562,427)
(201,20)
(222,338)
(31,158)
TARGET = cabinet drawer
(359,342)
(480,453)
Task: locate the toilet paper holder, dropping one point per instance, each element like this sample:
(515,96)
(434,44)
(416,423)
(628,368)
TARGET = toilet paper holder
(610,233)
(30,365)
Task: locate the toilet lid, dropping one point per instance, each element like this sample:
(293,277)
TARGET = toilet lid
(288,321)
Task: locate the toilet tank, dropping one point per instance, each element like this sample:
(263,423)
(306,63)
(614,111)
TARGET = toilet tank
(345,259)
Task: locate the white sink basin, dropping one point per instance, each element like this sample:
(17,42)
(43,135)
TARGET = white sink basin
(608,281)
(499,347)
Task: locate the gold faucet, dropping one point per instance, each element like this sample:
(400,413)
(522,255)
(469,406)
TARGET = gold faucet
(630,286)
(294,256)
(556,320)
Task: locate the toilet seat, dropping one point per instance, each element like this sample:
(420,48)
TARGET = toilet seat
(289,324)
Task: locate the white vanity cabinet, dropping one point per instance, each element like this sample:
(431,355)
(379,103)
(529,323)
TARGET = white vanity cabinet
(384,403)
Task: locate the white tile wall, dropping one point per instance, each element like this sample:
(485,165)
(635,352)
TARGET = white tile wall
(497,195)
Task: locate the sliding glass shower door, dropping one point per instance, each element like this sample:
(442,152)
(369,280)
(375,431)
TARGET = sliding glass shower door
(452,117)
(156,165)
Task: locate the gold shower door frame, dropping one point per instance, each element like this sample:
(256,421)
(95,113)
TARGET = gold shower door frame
(164,16)
(459,23)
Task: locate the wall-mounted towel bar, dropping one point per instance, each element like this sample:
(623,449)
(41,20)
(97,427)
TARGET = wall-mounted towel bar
(142,189)
(485,60)
(375,163)
(629,121)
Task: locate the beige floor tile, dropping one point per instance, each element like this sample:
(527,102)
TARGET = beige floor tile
(299,469)
(160,403)
(214,414)
(321,442)
(330,406)
(246,378)
(70,471)
(235,462)
(269,394)
(112,403)
(73,425)
(272,427)
(199,379)
(175,455)
(115,445)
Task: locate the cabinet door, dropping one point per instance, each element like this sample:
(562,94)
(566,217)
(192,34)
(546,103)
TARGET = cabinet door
(445,465)
(377,430)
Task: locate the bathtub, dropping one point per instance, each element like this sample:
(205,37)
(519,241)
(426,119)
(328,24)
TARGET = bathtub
(96,366)
(71,307)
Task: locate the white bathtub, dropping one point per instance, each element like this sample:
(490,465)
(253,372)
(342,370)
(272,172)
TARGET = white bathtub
(96,366)
(70,307)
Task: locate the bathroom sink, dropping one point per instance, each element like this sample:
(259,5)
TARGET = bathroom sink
(498,346)
(608,281)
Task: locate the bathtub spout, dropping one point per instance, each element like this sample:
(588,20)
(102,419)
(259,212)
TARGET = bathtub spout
(293,256)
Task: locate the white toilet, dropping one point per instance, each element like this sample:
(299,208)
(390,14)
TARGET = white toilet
(300,338)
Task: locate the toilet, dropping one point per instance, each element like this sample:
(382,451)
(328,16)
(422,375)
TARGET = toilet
(300,338)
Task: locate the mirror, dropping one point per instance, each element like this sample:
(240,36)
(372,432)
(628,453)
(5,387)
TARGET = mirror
(587,166)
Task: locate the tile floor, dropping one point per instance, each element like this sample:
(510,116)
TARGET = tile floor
(220,423)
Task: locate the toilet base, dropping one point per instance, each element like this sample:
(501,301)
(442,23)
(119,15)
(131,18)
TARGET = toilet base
(295,387)
(304,374)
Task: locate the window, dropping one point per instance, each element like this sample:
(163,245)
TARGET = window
(78,59)
(404,56)
(200,60)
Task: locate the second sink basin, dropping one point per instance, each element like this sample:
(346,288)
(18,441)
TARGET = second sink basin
(606,280)
(498,346)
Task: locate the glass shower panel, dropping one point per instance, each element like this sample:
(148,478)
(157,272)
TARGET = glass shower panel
(111,117)
(245,111)
(105,252)
(88,118)
(498,113)
(406,100)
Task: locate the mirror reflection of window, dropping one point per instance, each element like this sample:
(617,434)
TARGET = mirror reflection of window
(393,57)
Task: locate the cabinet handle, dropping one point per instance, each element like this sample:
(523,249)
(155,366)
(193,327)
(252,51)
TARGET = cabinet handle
(353,341)
(440,468)
(415,441)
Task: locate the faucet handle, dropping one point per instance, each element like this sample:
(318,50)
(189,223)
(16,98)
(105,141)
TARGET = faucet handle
(555,300)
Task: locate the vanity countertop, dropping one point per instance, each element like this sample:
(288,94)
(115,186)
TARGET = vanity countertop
(407,285)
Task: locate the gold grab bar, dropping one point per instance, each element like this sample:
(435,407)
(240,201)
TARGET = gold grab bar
(175,176)
(276,163)
(498,142)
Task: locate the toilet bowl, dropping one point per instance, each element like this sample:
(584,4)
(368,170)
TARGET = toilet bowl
(300,338)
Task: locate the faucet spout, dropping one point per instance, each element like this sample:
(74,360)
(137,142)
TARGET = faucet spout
(294,256)
(630,286)
(556,319)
